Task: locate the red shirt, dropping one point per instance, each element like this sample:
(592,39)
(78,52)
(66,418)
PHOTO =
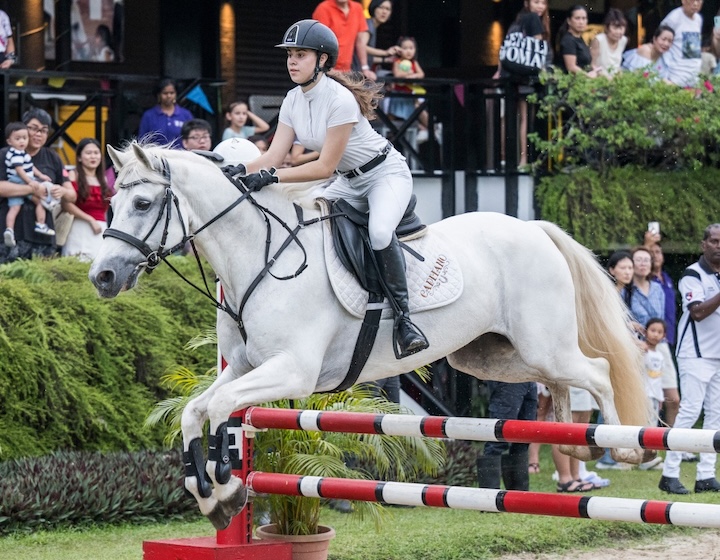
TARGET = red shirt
(94,204)
(346,28)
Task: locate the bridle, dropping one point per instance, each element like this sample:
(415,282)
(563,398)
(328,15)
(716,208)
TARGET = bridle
(170,200)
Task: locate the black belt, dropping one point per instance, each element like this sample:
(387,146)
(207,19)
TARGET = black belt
(372,164)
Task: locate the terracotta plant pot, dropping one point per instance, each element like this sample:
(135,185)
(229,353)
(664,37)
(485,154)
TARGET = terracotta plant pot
(304,547)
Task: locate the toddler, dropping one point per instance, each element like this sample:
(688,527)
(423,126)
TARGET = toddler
(406,66)
(20,170)
(238,114)
(654,335)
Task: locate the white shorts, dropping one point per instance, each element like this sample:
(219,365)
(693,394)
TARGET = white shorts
(669,373)
(580,400)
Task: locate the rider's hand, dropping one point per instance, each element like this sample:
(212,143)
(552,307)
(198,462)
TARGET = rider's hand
(256,181)
(238,170)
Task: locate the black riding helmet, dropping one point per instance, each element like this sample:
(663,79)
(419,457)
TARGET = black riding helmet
(311,34)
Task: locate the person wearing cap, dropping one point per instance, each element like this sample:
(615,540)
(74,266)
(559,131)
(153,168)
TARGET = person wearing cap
(328,112)
(346,20)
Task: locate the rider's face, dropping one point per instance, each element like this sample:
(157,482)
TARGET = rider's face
(301,64)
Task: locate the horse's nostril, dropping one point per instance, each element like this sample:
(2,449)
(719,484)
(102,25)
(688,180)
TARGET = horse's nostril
(105,277)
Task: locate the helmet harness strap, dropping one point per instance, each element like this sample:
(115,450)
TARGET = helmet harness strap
(317,70)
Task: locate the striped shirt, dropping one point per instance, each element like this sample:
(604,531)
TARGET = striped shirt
(18,158)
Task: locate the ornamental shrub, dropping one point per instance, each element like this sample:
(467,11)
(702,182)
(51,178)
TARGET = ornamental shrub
(80,372)
(88,488)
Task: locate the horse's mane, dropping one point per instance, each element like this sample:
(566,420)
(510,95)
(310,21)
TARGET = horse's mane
(303,194)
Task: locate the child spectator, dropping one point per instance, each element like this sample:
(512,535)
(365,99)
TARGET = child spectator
(93,200)
(260,141)
(20,169)
(238,114)
(654,335)
(608,47)
(406,66)
(684,57)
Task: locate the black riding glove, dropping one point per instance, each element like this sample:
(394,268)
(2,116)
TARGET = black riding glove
(238,170)
(256,181)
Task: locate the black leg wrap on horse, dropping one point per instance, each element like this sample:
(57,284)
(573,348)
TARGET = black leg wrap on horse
(407,338)
(219,451)
(195,466)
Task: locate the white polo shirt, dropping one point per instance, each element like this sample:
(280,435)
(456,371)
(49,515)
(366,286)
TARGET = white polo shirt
(698,339)
(326,105)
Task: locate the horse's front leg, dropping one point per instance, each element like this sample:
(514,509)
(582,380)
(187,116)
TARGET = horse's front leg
(193,418)
(279,378)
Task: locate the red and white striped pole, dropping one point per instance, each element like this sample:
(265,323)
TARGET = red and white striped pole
(490,500)
(484,429)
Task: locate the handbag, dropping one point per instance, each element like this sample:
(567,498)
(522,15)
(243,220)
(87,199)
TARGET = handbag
(523,55)
(63,222)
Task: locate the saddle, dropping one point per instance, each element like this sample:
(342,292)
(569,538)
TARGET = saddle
(352,243)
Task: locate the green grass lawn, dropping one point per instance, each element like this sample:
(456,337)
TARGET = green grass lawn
(417,533)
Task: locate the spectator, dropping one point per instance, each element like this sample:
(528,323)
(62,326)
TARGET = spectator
(608,47)
(669,380)
(165,120)
(406,66)
(708,60)
(46,161)
(238,114)
(647,299)
(684,58)
(380,11)
(698,355)
(90,209)
(568,468)
(260,141)
(715,40)
(20,170)
(654,335)
(574,54)
(651,56)
(507,401)
(103,44)
(7,43)
(196,134)
(346,19)
(533,21)
(299,154)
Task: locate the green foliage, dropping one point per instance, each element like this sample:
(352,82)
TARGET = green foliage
(604,212)
(633,119)
(324,454)
(80,488)
(79,372)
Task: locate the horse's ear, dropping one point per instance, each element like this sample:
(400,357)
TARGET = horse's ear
(118,158)
(142,156)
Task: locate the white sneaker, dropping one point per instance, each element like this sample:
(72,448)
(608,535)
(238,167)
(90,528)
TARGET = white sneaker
(44,229)
(597,481)
(49,202)
(613,466)
(9,238)
(655,464)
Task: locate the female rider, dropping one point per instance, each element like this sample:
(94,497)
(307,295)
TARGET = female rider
(328,113)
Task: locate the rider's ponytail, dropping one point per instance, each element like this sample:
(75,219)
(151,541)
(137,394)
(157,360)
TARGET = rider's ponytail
(366,92)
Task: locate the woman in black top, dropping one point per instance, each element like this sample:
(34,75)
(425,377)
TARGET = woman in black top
(574,53)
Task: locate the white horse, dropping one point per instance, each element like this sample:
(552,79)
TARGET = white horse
(536,306)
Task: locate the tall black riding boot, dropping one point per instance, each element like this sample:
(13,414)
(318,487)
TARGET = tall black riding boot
(488,471)
(408,339)
(515,471)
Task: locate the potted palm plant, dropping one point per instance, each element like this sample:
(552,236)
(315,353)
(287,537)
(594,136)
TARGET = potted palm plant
(324,454)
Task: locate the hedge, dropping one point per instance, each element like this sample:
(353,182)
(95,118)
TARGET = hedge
(80,372)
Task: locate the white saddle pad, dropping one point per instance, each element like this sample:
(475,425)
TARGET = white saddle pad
(432,283)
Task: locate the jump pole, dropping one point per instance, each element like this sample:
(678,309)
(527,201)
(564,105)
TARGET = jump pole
(484,429)
(489,500)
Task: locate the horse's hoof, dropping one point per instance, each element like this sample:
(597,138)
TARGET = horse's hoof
(633,456)
(219,518)
(236,502)
(596,453)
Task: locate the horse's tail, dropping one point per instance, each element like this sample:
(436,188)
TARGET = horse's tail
(604,327)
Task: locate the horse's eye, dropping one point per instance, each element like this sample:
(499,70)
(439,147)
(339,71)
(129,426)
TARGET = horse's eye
(141,204)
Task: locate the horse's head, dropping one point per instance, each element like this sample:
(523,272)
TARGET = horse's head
(146,220)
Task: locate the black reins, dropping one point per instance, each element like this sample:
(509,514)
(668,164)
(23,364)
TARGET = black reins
(155,257)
